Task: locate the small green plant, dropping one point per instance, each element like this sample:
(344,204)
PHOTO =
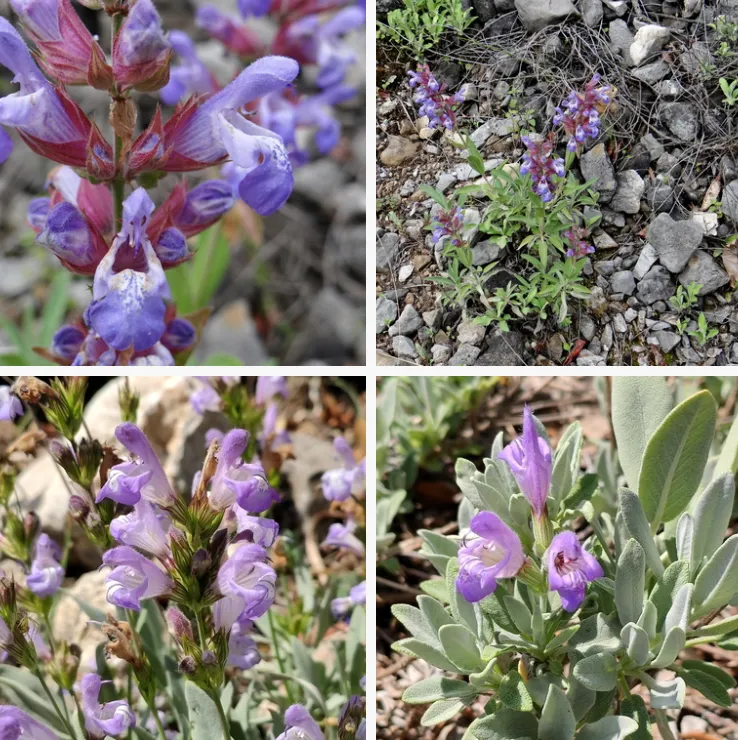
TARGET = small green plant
(685,299)
(703,333)
(730,91)
(727,36)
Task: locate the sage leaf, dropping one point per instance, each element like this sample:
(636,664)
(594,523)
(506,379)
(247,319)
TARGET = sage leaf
(675,457)
(435,688)
(597,634)
(520,614)
(716,672)
(639,405)
(566,462)
(667,694)
(678,614)
(441,711)
(415,623)
(462,611)
(460,646)
(670,649)
(711,514)
(597,672)
(557,718)
(514,694)
(635,642)
(709,686)
(636,524)
(204,717)
(507,724)
(662,596)
(435,613)
(608,728)
(629,582)
(634,707)
(684,537)
(424,651)
(717,582)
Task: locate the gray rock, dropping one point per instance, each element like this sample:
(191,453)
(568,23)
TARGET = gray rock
(465,355)
(504,349)
(627,198)
(387,248)
(619,323)
(619,7)
(484,9)
(445,181)
(602,240)
(470,333)
(409,322)
(674,241)
(440,353)
(654,147)
(596,165)
(404,348)
(649,40)
(19,275)
(587,327)
(414,229)
(682,120)
(646,260)
(652,73)
(730,201)
(470,230)
(465,172)
(588,359)
(667,340)
(605,267)
(536,14)
(669,88)
(630,315)
(386,312)
(408,188)
(728,168)
(703,269)
(621,37)
(697,59)
(497,127)
(592,12)
(404,273)
(655,286)
(623,282)
(432,318)
(484,253)
(232,331)
(660,196)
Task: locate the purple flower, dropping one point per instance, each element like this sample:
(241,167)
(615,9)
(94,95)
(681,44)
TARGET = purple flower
(145,528)
(6,145)
(10,405)
(267,387)
(130,287)
(229,30)
(529,460)
(495,553)
(577,236)
(256,529)
(46,574)
(299,725)
(247,584)
(16,724)
(205,398)
(67,343)
(270,437)
(204,205)
(113,718)
(449,224)
(129,482)
(432,100)
(579,114)
(341,607)
(237,481)
(570,569)
(133,578)
(243,652)
(38,213)
(6,636)
(340,483)
(190,76)
(342,536)
(179,336)
(253,8)
(539,163)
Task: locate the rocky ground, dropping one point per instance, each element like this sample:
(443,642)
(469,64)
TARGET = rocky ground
(297,299)
(665,169)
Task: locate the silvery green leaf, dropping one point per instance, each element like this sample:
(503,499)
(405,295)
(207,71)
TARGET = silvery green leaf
(499,478)
(634,707)
(439,562)
(498,445)
(415,623)
(711,517)
(460,646)
(466,513)
(520,614)
(518,510)
(538,687)
(608,728)
(597,634)
(580,698)
(24,690)
(561,639)
(493,608)
(436,588)
(678,614)
(602,706)
(437,687)
(662,596)
(439,543)
(636,524)
(675,457)
(717,582)
(684,537)
(507,724)
(639,405)
(514,694)
(711,681)
(635,642)
(648,619)
(538,625)
(727,462)
(667,694)
(597,672)
(566,462)
(434,612)
(465,470)
(441,711)
(204,715)
(416,648)
(629,582)
(463,612)
(672,646)
(557,718)
(487,677)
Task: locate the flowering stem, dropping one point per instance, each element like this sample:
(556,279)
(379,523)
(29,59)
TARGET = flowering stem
(152,708)
(119,182)
(62,718)
(221,714)
(200,628)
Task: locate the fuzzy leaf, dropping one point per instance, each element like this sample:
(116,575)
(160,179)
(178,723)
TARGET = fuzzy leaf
(434,612)
(204,718)
(415,623)
(629,582)
(435,688)
(520,614)
(670,649)
(514,694)
(597,672)
(711,517)
(441,711)
(557,718)
(460,647)
(634,707)
(506,724)
(597,634)
(709,686)
(608,728)
(668,694)
(566,461)
(463,612)
(635,642)
(662,596)
(634,519)
(426,652)
(717,582)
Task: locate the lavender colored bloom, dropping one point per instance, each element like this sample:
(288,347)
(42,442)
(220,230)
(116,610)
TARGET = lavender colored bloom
(144,478)
(270,437)
(237,481)
(145,528)
(46,574)
(579,114)
(247,584)
(113,718)
(189,76)
(542,167)
(495,553)
(299,725)
(133,578)
(340,483)
(6,145)
(341,607)
(204,205)
(243,652)
(179,626)
(38,212)
(229,30)
(67,342)
(529,460)
(570,569)
(39,644)
(254,8)
(10,405)
(171,247)
(449,224)
(16,724)
(256,529)
(68,235)
(205,398)
(179,336)
(267,387)
(579,246)
(342,536)
(432,100)
(213,435)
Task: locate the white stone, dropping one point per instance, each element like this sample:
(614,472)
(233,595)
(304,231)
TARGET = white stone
(404,273)
(649,39)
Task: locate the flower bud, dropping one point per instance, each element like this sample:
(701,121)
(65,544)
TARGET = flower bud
(31,525)
(179,336)
(179,626)
(171,249)
(78,508)
(187,666)
(38,212)
(201,563)
(209,658)
(204,205)
(67,343)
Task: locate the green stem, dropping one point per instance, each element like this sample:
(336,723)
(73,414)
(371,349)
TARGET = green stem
(277,653)
(542,532)
(62,718)
(600,535)
(623,686)
(221,714)
(200,628)
(662,722)
(119,185)
(151,704)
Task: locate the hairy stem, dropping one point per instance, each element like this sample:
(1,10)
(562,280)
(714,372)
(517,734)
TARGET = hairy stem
(119,185)
(221,714)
